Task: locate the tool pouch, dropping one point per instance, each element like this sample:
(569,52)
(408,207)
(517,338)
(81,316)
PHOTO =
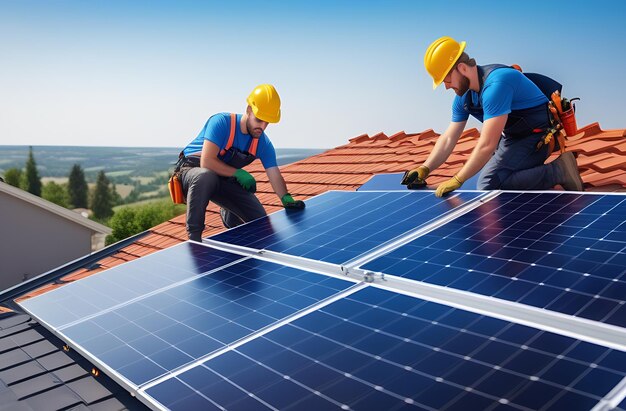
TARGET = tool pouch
(175,184)
(176,188)
(568,119)
(566,114)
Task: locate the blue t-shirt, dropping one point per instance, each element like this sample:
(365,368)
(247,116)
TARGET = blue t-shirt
(504,90)
(217,130)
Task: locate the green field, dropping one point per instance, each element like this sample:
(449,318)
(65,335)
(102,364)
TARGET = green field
(143,170)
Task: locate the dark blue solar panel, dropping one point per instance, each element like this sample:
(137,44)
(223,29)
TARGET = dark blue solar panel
(384,182)
(162,331)
(380,350)
(392,182)
(339,226)
(561,252)
(123,283)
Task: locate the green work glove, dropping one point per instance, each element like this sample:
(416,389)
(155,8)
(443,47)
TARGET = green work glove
(448,186)
(289,202)
(416,178)
(245,179)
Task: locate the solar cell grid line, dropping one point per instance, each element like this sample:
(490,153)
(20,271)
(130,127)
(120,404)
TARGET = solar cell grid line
(157,334)
(102,291)
(338,226)
(557,251)
(381,350)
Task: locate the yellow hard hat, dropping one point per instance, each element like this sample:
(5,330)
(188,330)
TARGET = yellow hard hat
(441,56)
(265,103)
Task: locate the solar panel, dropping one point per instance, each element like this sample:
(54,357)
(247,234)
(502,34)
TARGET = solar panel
(193,327)
(380,350)
(339,226)
(384,182)
(123,283)
(562,252)
(165,329)
(391,181)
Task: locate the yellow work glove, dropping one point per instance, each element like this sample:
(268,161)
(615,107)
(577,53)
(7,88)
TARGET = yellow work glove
(448,186)
(416,178)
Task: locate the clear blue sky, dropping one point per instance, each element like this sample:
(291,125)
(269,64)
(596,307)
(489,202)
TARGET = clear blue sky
(149,73)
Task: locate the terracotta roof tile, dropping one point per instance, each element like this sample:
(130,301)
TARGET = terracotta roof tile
(601,159)
(610,164)
(400,135)
(604,179)
(358,139)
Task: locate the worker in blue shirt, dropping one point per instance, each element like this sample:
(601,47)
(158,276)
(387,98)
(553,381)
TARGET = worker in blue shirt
(515,117)
(211,166)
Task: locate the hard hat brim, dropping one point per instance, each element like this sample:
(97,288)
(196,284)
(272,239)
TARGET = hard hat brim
(265,116)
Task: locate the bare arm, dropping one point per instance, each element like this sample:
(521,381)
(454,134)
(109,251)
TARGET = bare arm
(444,145)
(209,160)
(487,143)
(277,181)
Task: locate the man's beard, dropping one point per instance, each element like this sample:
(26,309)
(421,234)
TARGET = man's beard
(254,133)
(463,86)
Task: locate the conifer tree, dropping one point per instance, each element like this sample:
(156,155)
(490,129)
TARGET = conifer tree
(32,182)
(102,203)
(77,187)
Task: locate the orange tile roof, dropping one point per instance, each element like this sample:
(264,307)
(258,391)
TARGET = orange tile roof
(601,160)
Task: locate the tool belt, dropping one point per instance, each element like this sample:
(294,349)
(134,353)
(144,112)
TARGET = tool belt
(562,122)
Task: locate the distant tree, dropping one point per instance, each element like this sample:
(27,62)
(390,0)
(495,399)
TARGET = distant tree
(101,202)
(116,198)
(131,220)
(13,176)
(56,193)
(123,224)
(77,187)
(32,182)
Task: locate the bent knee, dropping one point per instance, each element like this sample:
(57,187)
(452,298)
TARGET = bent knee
(203,176)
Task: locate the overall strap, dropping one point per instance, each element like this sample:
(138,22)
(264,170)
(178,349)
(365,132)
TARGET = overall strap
(484,71)
(231,137)
(253,146)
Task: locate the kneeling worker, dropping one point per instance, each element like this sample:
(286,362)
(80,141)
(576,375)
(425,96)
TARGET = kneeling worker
(515,117)
(212,166)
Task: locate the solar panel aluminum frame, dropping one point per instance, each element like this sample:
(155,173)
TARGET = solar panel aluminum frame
(613,398)
(322,267)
